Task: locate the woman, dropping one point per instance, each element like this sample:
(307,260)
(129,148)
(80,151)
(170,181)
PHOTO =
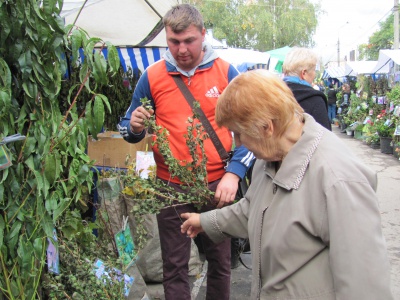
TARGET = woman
(346,94)
(311,212)
(299,70)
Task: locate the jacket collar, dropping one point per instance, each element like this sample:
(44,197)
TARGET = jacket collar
(295,164)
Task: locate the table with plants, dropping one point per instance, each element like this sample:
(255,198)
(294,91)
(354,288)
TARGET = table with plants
(375,119)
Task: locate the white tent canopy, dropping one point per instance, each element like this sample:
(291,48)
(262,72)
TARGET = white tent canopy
(386,57)
(353,68)
(122,22)
(135,27)
(361,67)
(243,58)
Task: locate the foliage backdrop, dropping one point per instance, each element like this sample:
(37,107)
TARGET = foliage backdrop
(50,176)
(263,24)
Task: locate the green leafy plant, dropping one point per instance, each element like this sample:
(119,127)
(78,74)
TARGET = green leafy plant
(51,173)
(151,195)
(384,130)
(78,250)
(372,138)
(384,127)
(357,112)
(394,94)
(359,127)
(116,91)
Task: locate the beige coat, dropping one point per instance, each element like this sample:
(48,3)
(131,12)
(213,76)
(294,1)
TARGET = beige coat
(314,226)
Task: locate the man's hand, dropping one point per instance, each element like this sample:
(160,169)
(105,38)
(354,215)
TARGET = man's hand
(138,116)
(226,189)
(192,225)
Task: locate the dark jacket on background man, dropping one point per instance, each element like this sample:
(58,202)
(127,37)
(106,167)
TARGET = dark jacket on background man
(332,96)
(312,101)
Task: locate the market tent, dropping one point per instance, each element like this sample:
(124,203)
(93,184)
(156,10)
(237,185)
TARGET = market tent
(243,59)
(277,58)
(135,28)
(361,67)
(335,72)
(386,58)
(352,68)
(124,22)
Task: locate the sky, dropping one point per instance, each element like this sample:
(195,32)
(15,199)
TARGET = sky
(351,22)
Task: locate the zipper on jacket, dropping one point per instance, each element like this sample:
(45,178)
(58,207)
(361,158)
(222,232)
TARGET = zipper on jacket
(189,80)
(259,254)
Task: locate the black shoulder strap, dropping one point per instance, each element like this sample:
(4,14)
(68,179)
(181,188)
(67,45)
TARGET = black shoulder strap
(203,119)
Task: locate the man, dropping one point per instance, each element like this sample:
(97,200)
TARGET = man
(299,70)
(332,92)
(206,76)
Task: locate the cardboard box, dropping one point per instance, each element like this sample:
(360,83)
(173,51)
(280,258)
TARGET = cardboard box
(111,150)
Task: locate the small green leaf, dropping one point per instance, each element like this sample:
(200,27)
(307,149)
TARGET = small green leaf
(98,114)
(62,206)
(76,43)
(51,167)
(105,101)
(99,68)
(25,63)
(113,58)
(12,236)
(38,247)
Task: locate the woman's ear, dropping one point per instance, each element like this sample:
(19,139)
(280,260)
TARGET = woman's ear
(268,129)
(303,74)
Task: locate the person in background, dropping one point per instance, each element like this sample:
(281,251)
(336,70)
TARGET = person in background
(206,75)
(299,73)
(346,94)
(322,87)
(332,103)
(344,106)
(311,212)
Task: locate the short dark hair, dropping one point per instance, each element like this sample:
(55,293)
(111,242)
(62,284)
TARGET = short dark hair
(181,16)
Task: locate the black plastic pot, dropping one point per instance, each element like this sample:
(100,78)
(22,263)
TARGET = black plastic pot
(385,145)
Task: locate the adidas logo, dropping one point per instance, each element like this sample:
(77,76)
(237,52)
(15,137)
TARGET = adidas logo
(213,93)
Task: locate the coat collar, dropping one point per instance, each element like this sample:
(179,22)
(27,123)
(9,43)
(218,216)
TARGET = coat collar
(295,164)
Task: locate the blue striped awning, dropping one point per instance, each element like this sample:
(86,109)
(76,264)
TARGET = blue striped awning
(138,59)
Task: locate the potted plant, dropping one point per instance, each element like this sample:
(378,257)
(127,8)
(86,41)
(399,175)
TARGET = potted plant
(358,131)
(385,131)
(372,138)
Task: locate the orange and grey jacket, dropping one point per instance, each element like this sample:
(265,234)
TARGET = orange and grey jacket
(172,111)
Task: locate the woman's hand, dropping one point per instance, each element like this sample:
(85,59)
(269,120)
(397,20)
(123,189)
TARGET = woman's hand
(191,226)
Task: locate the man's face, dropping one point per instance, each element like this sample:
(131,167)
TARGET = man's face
(186,47)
